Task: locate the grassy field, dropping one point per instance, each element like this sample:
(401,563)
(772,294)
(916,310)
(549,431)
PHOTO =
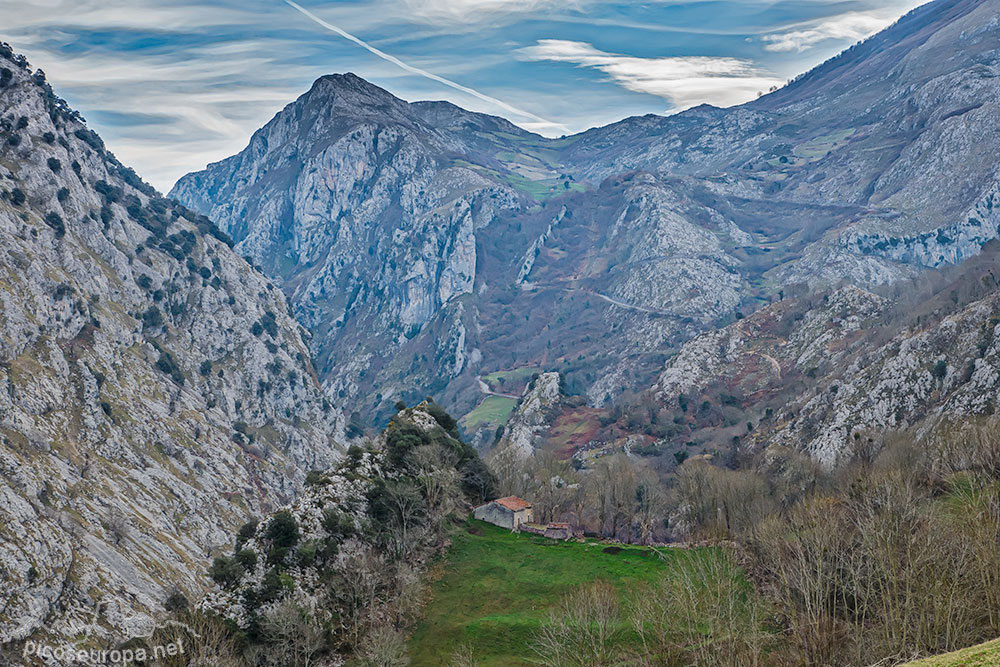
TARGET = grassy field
(492,410)
(984,655)
(509,382)
(495,589)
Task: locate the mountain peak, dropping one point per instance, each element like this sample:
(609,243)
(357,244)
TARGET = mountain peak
(350,88)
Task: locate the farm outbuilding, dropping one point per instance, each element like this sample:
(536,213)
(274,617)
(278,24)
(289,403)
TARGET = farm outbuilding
(509,512)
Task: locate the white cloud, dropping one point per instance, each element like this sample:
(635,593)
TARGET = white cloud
(852,26)
(684,81)
(467,11)
(532,118)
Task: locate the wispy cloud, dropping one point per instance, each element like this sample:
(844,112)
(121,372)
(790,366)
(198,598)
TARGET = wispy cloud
(535,120)
(684,81)
(469,11)
(851,26)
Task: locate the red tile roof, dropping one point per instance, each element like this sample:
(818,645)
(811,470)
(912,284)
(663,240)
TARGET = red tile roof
(513,503)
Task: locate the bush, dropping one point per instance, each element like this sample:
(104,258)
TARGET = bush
(247,558)
(167,364)
(226,572)
(176,601)
(445,420)
(62,195)
(152,318)
(90,138)
(316,478)
(108,192)
(17,196)
(205,369)
(246,532)
(270,324)
(283,534)
(54,164)
(144,281)
(55,221)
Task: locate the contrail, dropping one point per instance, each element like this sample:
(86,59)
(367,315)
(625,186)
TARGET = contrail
(420,72)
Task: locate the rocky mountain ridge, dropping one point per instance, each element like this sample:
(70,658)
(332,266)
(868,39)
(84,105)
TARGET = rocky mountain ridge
(815,373)
(423,245)
(154,391)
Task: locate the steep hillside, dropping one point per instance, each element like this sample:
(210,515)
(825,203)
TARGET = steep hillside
(425,246)
(817,371)
(337,573)
(154,391)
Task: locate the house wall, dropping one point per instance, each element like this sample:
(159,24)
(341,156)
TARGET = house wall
(496,514)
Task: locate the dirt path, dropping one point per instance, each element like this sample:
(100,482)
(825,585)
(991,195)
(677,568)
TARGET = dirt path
(485,388)
(774,363)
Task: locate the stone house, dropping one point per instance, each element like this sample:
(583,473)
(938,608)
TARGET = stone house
(509,512)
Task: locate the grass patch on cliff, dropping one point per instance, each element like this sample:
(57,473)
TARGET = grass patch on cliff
(506,381)
(496,588)
(492,410)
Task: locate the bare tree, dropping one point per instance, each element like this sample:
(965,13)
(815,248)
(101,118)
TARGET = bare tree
(583,629)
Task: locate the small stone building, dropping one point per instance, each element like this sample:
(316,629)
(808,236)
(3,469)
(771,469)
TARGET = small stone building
(509,512)
(553,531)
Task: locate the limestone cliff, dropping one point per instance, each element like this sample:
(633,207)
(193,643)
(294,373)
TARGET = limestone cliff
(154,391)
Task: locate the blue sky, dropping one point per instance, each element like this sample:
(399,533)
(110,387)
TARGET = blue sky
(173,85)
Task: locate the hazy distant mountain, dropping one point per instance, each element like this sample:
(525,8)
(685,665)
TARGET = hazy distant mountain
(424,245)
(154,391)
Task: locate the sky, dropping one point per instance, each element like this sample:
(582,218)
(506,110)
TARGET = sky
(173,85)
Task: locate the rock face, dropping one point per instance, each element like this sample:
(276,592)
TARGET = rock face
(532,415)
(814,372)
(423,245)
(154,391)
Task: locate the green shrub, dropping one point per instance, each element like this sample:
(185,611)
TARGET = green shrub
(441,416)
(225,571)
(152,318)
(176,601)
(245,532)
(167,364)
(55,221)
(54,164)
(247,558)
(90,138)
(316,478)
(283,534)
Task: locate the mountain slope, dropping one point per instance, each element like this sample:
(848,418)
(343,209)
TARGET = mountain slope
(423,249)
(154,392)
(815,372)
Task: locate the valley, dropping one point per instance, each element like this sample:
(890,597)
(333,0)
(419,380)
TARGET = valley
(742,362)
